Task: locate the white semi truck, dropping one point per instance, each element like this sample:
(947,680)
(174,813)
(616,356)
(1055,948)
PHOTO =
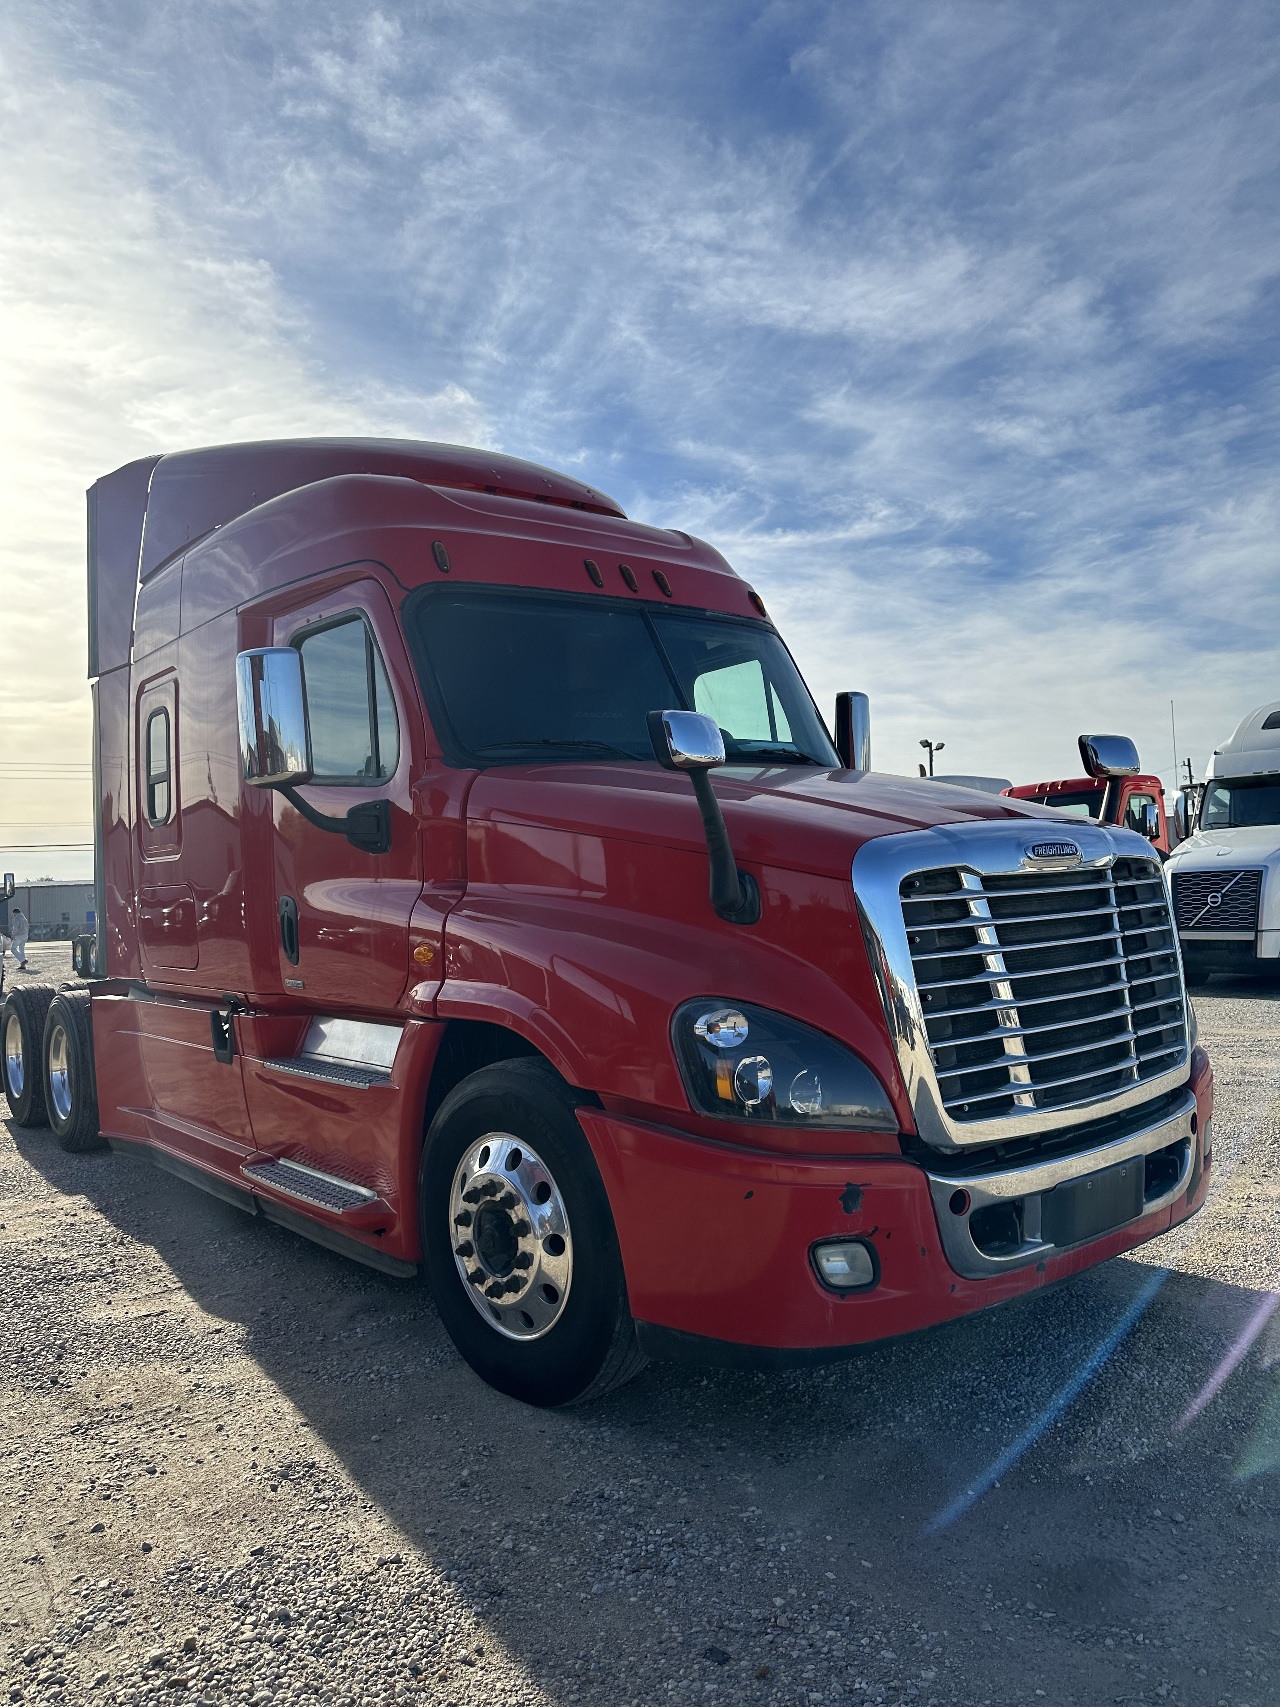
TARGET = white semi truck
(1226,875)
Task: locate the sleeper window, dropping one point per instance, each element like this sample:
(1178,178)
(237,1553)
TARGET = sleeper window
(159,768)
(354,735)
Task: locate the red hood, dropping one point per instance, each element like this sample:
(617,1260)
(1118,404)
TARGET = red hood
(784,815)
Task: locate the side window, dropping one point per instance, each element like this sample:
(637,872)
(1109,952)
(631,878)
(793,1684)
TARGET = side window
(742,703)
(354,734)
(1135,812)
(159,776)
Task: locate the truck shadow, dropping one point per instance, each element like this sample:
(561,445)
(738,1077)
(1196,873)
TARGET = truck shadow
(692,1499)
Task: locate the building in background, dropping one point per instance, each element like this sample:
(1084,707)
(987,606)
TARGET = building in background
(54,910)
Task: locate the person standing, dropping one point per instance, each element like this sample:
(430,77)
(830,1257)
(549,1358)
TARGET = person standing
(18,933)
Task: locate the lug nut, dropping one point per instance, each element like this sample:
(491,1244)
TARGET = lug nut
(465,1249)
(522,1229)
(463,1219)
(524,1260)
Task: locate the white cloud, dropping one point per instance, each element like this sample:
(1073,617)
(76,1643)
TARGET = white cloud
(948,324)
(126,329)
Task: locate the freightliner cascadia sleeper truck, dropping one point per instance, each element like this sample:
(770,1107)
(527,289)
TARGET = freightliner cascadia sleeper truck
(481,892)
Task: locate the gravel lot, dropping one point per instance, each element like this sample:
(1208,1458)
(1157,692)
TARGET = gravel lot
(239,1468)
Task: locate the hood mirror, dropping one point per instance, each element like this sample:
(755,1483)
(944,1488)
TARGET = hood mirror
(689,742)
(1109,755)
(686,740)
(853,731)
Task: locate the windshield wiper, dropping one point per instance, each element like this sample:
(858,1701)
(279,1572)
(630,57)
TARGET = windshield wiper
(544,743)
(781,750)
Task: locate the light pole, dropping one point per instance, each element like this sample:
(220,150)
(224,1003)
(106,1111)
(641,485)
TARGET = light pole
(933,747)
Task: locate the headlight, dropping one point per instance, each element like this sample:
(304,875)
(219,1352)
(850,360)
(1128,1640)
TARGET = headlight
(741,1062)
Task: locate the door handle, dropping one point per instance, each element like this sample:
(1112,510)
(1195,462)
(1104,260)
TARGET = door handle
(289,928)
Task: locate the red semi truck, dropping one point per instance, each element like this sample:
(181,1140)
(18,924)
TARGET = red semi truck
(413,936)
(1115,791)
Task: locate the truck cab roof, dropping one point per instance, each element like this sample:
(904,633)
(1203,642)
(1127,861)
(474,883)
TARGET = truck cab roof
(1254,746)
(148,513)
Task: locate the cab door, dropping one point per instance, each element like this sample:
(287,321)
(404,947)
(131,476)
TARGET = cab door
(343,915)
(196,1104)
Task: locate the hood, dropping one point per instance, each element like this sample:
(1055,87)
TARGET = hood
(1255,845)
(781,815)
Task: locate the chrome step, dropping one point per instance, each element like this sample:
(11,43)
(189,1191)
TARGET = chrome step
(309,1186)
(331,1072)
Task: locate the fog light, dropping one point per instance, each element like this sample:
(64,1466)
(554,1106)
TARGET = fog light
(845,1265)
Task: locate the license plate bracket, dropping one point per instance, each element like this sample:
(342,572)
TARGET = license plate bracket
(1081,1209)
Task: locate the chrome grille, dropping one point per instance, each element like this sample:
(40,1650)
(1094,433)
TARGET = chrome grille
(1216,900)
(1044,990)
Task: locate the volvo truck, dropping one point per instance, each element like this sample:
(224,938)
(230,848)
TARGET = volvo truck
(481,894)
(1226,875)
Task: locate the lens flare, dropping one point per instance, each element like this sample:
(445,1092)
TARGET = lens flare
(1232,1361)
(1064,1397)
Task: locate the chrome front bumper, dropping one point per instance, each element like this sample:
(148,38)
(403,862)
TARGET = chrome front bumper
(958,1198)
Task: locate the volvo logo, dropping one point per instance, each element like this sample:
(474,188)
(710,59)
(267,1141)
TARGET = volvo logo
(1054,850)
(1214,900)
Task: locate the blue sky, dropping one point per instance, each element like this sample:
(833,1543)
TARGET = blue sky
(953,325)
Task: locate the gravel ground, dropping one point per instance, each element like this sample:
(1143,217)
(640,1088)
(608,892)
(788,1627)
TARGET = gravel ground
(237,1468)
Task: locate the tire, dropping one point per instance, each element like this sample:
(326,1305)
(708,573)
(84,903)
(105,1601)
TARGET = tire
(1195,973)
(22,1051)
(545,1318)
(70,1089)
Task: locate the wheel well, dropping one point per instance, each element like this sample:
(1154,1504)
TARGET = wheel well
(467,1046)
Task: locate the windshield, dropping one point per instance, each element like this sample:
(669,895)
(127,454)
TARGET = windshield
(1086,803)
(515,676)
(1236,804)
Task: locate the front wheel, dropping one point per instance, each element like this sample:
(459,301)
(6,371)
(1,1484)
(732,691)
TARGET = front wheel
(519,1242)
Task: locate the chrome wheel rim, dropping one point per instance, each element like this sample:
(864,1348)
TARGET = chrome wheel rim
(510,1236)
(14,1066)
(60,1072)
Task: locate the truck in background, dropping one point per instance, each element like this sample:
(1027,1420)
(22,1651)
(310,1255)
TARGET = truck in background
(1226,875)
(1114,790)
(423,930)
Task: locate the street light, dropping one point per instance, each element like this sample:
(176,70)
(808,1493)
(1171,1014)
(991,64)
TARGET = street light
(933,747)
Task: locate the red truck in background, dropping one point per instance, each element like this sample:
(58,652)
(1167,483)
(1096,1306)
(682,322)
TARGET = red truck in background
(1115,791)
(424,931)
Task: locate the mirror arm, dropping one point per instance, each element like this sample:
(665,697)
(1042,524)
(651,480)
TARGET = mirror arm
(366,826)
(734,894)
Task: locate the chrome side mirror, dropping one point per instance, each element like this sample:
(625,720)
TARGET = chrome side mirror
(275,744)
(853,731)
(1180,816)
(689,742)
(271,700)
(1151,821)
(686,740)
(8,890)
(1109,755)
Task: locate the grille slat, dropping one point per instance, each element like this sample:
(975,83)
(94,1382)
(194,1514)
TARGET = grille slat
(1017,947)
(1095,1026)
(1217,900)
